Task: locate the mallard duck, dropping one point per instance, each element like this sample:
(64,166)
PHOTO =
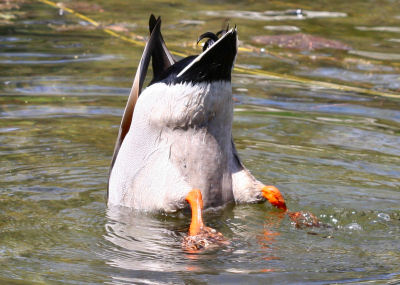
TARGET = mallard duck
(175,147)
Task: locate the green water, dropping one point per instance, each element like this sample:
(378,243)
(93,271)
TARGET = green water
(63,87)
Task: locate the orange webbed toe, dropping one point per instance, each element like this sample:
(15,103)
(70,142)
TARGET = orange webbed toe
(274,196)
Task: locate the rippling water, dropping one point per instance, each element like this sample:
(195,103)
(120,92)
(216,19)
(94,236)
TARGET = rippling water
(63,87)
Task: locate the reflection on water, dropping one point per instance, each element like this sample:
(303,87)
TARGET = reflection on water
(138,239)
(282,28)
(297,14)
(380,29)
(385,80)
(39,58)
(331,152)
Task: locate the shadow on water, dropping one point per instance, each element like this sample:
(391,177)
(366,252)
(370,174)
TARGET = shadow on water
(63,86)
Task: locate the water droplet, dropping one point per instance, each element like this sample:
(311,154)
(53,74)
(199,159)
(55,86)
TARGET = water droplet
(384,217)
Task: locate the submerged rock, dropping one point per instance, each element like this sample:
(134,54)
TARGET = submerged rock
(300,41)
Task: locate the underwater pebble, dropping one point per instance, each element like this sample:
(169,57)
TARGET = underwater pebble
(384,216)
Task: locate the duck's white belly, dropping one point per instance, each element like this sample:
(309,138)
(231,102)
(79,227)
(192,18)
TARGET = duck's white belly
(160,178)
(149,182)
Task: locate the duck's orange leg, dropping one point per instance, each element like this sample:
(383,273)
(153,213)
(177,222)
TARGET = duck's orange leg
(200,236)
(195,201)
(274,196)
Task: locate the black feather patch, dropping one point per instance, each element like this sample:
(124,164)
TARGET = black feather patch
(215,63)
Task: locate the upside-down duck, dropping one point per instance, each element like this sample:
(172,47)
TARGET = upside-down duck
(175,147)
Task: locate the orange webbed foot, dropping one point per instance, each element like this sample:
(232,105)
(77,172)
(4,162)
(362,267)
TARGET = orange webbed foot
(200,236)
(300,219)
(274,196)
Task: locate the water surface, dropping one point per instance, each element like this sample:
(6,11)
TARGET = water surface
(63,87)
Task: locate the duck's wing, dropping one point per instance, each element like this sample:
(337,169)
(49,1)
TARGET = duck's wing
(161,59)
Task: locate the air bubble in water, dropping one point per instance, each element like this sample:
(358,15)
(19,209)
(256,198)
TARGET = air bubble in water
(354,227)
(384,216)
